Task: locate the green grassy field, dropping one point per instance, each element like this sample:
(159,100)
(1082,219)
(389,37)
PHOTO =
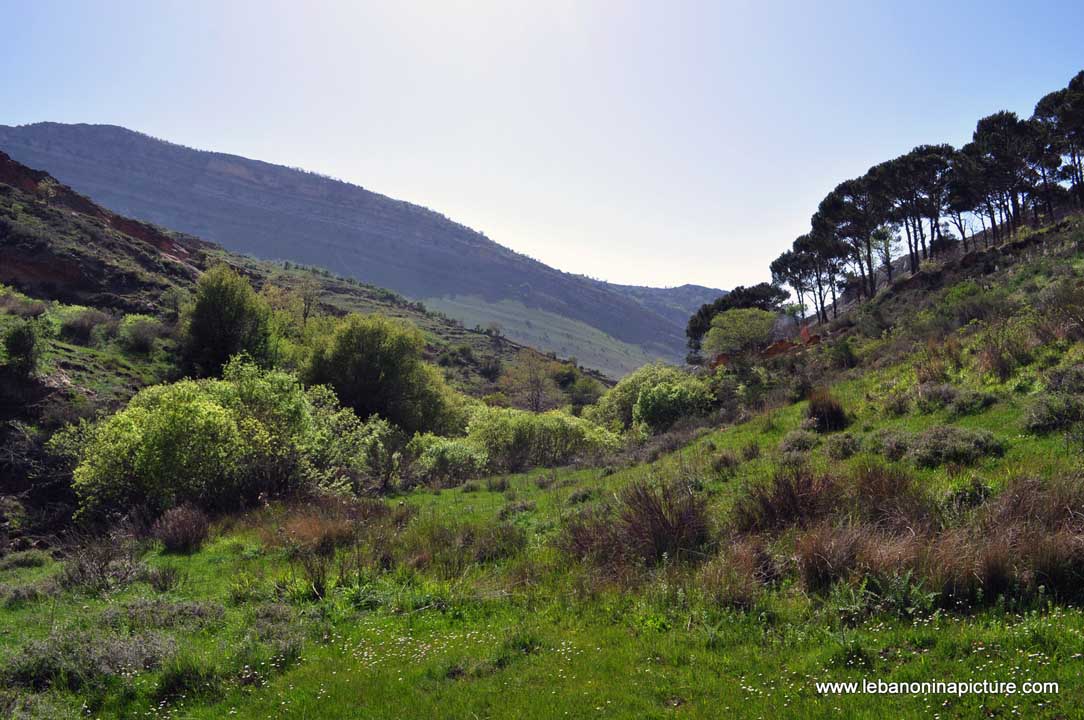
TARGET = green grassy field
(471,601)
(534,634)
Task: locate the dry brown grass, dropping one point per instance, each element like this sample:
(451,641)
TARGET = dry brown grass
(794,496)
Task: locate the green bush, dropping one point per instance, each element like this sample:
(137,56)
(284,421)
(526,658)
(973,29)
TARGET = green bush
(516,439)
(614,409)
(137,333)
(841,446)
(1053,411)
(79,323)
(949,444)
(445,461)
(24,346)
(345,453)
(375,366)
(798,441)
(660,406)
(226,318)
(219,444)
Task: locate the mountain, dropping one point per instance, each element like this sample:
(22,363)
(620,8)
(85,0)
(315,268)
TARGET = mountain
(56,244)
(277,212)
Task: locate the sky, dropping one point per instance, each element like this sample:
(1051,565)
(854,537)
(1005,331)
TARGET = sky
(651,143)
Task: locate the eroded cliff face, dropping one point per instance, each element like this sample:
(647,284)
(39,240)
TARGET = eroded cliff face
(57,243)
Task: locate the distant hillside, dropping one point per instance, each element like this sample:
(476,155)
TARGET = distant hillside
(282,213)
(58,245)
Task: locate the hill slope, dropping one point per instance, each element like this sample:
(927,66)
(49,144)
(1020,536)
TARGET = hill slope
(58,245)
(282,213)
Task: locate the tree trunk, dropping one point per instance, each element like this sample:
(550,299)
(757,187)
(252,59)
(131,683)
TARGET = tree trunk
(1046,194)
(912,250)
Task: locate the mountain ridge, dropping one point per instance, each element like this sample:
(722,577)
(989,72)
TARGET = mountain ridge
(276,212)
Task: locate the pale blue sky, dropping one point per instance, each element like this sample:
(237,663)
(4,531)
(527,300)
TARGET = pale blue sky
(650,143)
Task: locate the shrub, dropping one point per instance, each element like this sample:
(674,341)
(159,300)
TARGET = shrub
(825,554)
(736,577)
(187,676)
(659,406)
(318,531)
(1053,411)
(662,520)
(220,444)
(343,452)
(893,444)
(841,446)
(889,498)
(100,564)
(934,396)
(725,463)
(648,522)
(515,439)
(970,402)
(614,410)
(750,450)
(137,333)
(794,496)
(896,403)
(1002,349)
(74,660)
(1068,379)
(446,461)
(226,318)
(24,347)
(375,366)
(163,578)
(826,412)
(450,548)
(1060,304)
(592,536)
(739,331)
(24,559)
(515,508)
(181,529)
(949,444)
(798,441)
(580,495)
(78,326)
(841,354)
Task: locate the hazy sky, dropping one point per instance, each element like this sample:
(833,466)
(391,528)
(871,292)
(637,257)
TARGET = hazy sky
(650,143)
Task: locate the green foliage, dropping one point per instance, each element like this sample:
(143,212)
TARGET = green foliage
(614,409)
(345,453)
(137,333)
(375,366)
(226,318)
(739,331)
(24,347)
(218,444)
(1053,411)
(660,406)
(515,439)
(445,461)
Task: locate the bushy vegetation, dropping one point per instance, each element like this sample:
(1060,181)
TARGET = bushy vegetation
(516,439)
(446,461)
(375,366)
(225,318)
(23,345)
(217,444)
(651,399)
